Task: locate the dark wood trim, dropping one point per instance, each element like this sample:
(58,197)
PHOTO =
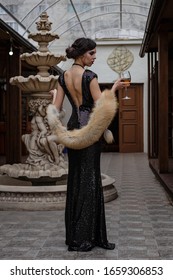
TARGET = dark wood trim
(149,104)
(163,100)
(155,14)
(166,179)
(13,124)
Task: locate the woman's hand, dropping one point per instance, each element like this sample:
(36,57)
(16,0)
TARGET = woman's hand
(119,84)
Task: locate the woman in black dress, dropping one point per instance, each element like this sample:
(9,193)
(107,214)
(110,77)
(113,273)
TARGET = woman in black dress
(85,213)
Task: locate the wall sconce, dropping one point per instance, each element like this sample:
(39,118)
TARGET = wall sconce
(11,48)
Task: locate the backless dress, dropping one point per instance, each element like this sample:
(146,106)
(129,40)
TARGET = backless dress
(84,212)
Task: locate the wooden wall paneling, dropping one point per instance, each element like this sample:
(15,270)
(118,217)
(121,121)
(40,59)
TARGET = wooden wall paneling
(163,100)
(13,141)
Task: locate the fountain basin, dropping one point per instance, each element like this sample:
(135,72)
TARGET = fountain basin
(35,83)
(42,59)
(21,195)
(28,172)
(43,36)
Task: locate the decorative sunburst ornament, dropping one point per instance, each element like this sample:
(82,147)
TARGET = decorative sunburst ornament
(120,59)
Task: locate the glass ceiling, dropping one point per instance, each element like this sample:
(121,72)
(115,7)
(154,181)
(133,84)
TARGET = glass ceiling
(97,19)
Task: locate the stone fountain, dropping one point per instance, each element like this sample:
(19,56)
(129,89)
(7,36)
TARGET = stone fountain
(40,182)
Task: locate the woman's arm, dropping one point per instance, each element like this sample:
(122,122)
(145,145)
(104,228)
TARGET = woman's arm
(95,89)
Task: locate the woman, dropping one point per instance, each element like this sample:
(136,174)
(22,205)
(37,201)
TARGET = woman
(84,214)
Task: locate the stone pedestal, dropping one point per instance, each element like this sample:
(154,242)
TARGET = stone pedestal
(18,195)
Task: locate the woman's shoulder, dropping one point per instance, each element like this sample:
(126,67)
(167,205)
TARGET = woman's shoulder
(90,74)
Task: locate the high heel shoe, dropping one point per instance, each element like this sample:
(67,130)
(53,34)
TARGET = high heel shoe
(108,246)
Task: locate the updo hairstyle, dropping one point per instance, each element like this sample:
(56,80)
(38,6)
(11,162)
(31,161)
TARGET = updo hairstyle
(79,47)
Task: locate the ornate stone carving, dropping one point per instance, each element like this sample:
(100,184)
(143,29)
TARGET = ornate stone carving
(46,158)
(44,24)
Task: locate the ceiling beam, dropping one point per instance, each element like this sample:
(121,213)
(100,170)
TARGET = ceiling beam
(78,17)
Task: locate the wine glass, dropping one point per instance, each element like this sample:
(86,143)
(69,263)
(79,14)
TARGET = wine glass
(126,78)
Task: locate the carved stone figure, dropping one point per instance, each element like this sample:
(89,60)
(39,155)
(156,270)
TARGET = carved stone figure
(46,157)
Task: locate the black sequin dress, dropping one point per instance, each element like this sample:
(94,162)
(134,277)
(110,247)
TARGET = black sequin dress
(84,214)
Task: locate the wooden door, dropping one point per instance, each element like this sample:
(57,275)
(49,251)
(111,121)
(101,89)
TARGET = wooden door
(131,120)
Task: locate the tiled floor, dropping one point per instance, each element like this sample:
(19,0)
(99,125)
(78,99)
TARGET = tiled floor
(139,221)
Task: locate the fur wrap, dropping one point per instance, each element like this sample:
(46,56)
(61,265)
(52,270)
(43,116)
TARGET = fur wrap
(100,118)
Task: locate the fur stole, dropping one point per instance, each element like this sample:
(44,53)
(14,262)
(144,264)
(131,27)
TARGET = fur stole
(100,118)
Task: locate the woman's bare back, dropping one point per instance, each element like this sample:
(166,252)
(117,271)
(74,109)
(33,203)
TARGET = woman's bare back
(73,81)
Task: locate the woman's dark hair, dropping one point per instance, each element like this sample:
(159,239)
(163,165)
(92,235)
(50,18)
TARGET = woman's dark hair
(79,47)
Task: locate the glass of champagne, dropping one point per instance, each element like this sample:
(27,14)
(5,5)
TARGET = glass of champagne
(126,78)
